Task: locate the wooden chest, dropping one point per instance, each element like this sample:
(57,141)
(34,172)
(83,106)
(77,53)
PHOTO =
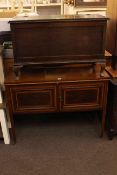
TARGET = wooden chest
(58,39)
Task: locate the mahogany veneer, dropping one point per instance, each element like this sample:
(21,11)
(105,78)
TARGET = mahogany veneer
(55,89)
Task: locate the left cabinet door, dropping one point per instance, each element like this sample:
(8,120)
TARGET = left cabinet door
(33,98)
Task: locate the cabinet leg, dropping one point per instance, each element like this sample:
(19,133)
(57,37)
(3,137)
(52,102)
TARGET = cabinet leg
(110,135)
(109,130)
(99,124)
(13,137)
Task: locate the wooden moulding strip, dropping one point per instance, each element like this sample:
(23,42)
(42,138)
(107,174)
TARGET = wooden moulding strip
(111,71)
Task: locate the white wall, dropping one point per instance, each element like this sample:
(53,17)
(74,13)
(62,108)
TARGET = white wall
(4,25)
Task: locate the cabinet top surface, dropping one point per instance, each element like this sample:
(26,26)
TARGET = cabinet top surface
(52,18)
(65,73)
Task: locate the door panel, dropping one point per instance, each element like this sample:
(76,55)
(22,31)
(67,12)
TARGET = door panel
(34,98)
(81,96)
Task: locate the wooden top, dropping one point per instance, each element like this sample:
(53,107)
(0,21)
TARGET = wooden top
(52,18)
(65,73)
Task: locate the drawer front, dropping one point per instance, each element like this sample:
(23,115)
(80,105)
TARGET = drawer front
(34,98)
(81,96)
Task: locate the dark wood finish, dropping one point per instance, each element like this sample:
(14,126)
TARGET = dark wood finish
(112,109)
(78,96)
(58,39)
(38,98)
(55,89)
(111,42)
(101,3)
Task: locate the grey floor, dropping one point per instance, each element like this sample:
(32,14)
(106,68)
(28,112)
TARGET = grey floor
(58,145)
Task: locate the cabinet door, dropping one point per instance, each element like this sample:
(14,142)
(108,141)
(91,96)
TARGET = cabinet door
(81,96)
(33,98)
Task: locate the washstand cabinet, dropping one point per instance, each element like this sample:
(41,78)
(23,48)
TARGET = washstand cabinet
(56,90)
(58,66)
